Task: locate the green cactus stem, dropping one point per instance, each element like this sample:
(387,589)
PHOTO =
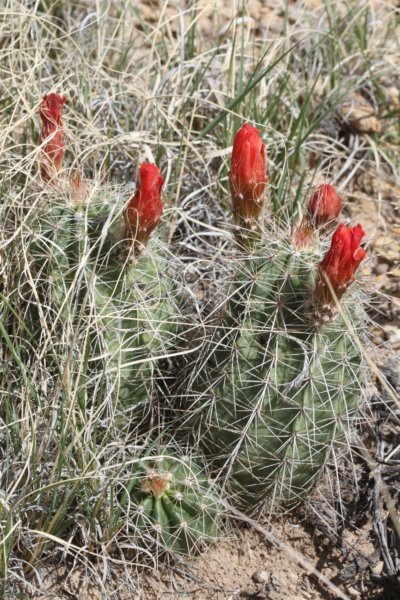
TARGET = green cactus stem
(174,505)
(116,309)
(280,387)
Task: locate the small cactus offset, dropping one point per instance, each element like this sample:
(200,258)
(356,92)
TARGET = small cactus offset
(282,379)
(174,508)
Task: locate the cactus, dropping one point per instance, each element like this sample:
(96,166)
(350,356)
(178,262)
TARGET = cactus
(117,307)
(104,289)
(281,378)
(283,382)
(173,506)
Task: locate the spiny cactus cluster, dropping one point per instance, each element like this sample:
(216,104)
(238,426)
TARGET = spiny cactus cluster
(100,281)
(280,379)
(275,384)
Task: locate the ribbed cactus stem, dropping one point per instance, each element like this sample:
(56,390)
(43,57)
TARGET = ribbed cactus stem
(175,507)
(281,387)
(125,307)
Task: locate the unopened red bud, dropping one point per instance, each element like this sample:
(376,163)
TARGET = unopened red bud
(247,177)
(145,208)
(52,135)
(324,205)
(322,210)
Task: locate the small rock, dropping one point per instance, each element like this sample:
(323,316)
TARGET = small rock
(378,568)
(260,576)
(386,249)
(391,91)
(348,572)
(353,592)
(382,268)
(393,96)
(357,112)
(277,581)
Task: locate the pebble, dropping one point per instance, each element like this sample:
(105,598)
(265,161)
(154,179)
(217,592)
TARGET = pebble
(357,112)
(260,576)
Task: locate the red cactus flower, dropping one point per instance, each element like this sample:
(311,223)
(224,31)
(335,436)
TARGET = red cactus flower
(340,263)
(324,205)
(52,134)
(247,177)
(145,207)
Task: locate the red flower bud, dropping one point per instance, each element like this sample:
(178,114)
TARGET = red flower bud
(79,189)
(145,207)
(247,177)
(323,209)
(324,205)
(340,263)
(52,134)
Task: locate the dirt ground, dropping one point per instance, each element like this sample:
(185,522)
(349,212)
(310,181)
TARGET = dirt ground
(244,565)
